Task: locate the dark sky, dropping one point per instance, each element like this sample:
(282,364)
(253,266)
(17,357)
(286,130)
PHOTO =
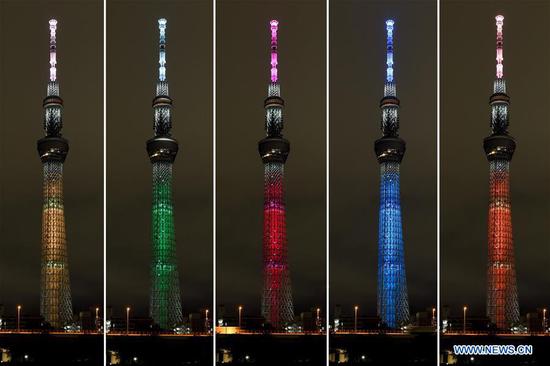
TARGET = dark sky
(357,75)
(468,71)
(24,65)
(132,50)
(243,77)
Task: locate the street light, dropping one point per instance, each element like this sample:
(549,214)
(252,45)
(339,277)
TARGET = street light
(127,320)
(433,316)
(206,320)
(544,319)
(355,310)
(464,323)
(318,317)
(18,318)
(240,315)
(97,313)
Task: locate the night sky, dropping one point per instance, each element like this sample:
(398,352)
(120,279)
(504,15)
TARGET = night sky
(468,71)
(24,65)
(132,67)
(243,76)
(357,75)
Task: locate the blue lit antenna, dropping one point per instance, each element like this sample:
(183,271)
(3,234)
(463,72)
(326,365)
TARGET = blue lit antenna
(390,103)
(162,49)
(389,50)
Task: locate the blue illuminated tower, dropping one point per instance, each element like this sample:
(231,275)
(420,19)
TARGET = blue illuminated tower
(392,301)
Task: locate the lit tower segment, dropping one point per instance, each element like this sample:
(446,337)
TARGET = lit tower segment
(502,294)
(277,308)
(393,305)
(165,302)
(55,290)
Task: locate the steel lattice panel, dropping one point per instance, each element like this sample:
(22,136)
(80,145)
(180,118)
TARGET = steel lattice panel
(277,307)
(393,306)
(55,294)
(165,302)
(502,296)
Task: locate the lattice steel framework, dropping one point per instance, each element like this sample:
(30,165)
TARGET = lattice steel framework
(502,294)
(392,299)
(55,289)
(165,301)
(277,307)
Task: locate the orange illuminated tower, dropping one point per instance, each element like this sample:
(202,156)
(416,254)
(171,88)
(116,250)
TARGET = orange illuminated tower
(55,290)
(502,294)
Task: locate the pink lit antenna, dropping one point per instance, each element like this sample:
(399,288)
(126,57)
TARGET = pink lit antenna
(500,58)
(274,27)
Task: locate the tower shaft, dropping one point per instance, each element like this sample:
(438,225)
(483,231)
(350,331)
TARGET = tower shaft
(502,300)
(277,297)
(165,302)
(392,297)
(393,307)
(55,299)
(277,306)
(55,291)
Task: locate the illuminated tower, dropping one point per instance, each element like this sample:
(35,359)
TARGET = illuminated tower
(502,294)
(393,305)
(277,308)
(55,290)
(165,302)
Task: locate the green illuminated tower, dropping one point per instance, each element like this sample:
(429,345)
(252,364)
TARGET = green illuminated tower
(165,302)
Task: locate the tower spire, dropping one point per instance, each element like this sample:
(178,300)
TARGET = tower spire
(390,103)
(392,297)
(165,301)
(500,100)
(53,50)
(500,67)
(389,50)
(274,71)
(277,306)
(53,104)
(162,105)
(55,291)
(162,49)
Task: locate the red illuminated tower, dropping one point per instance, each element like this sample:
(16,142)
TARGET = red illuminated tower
(502,294)
(277,308)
